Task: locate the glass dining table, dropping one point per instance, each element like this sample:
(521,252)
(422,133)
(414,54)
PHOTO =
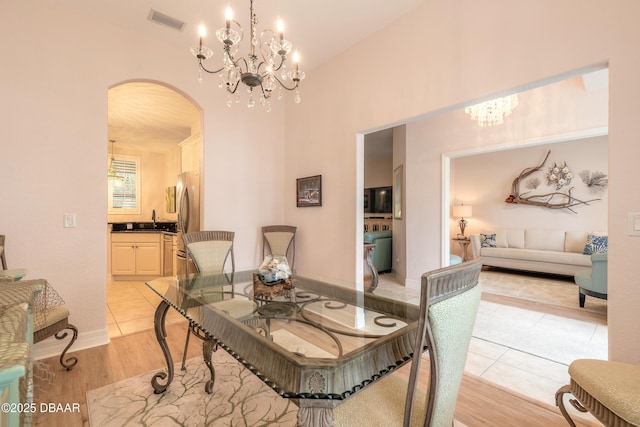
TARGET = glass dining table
(317,343)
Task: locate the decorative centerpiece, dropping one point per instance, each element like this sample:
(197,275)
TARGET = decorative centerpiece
(273,278)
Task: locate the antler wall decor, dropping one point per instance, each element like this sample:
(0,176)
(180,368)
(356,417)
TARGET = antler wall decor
(553,200)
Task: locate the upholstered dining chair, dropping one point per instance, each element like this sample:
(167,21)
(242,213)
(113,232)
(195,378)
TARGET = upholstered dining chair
(609,390)
(52,316)
(449,300)
(5,273)
(209,251)
(593,281)
(279,240)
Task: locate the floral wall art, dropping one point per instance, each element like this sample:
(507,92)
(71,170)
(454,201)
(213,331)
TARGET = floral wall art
(558,195)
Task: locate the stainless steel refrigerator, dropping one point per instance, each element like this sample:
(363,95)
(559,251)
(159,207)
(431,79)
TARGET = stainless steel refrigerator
(188,191)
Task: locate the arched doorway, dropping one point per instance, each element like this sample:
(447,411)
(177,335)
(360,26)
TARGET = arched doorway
(154,134)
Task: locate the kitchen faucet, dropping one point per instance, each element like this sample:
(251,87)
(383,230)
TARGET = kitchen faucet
(153,217)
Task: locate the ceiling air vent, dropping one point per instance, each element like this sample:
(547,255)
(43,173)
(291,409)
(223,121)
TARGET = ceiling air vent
(166,20)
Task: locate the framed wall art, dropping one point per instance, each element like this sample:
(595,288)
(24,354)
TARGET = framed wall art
(309,191)
(397,193)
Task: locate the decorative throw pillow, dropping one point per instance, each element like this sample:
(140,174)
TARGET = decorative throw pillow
(596,245)
(487,240)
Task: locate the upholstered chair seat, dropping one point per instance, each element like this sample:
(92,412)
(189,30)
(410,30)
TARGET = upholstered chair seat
(609,390)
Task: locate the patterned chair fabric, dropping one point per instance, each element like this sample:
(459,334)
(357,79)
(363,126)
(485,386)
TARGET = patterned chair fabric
(279,240)
(607,389)
(209,250)
(17,304)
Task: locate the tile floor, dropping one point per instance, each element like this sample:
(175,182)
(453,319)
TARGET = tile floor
(131,306)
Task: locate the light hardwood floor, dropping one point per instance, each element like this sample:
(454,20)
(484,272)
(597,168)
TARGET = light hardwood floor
(480,403)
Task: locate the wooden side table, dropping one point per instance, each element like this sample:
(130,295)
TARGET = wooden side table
(463,246)
(370,272)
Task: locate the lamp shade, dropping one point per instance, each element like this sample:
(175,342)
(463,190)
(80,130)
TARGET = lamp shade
(462,211)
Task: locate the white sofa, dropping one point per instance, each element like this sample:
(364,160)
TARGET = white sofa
(546,251)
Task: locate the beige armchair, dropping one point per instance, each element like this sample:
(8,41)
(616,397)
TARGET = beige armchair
(593,281)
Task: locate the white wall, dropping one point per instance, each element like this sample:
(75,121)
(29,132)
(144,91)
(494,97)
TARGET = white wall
(378,172)
(57,68)
(442,55)
(484,182)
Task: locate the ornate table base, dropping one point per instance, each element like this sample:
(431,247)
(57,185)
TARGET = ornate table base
(158,324)
(370,272)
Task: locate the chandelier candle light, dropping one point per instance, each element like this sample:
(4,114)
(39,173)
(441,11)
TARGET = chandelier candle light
(261,66)
(461,212)
(492,112)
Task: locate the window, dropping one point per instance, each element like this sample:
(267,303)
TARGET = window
(124,194)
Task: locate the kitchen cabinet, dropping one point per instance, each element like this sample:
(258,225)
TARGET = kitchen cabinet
(190,151)
(136,254)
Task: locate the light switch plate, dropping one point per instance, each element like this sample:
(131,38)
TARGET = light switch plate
(633,224)
(69,220)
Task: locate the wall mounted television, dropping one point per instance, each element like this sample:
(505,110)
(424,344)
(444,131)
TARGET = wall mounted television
(378,200)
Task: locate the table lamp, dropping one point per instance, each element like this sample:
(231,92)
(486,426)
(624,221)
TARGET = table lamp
(462,212)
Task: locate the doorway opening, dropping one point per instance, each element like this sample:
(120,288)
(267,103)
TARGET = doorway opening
(159,129)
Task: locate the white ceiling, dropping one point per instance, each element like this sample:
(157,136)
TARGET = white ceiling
(318,29)
(149,115)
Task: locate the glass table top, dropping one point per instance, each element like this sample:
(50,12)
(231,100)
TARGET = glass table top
(315,340)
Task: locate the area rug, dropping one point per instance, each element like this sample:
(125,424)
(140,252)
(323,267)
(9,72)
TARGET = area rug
(239,399)
(546,289)
(546,336)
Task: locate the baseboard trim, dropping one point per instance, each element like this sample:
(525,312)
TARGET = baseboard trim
(53,347)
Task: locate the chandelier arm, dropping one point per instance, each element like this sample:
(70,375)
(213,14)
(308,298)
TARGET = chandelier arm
(207,70)
(297,81)
(237,64)
(282,61)
(235,88)
(265,94)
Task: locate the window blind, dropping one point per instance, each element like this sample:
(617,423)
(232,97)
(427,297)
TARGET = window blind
(124,196)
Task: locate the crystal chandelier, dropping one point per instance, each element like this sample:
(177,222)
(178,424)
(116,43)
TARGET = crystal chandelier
(263,69)
(492,112)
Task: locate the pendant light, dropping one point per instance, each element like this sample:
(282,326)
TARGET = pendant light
(112,173)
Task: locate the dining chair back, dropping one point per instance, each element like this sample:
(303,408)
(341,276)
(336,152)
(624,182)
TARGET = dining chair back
(279,240)
(209,251)
(449,300)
